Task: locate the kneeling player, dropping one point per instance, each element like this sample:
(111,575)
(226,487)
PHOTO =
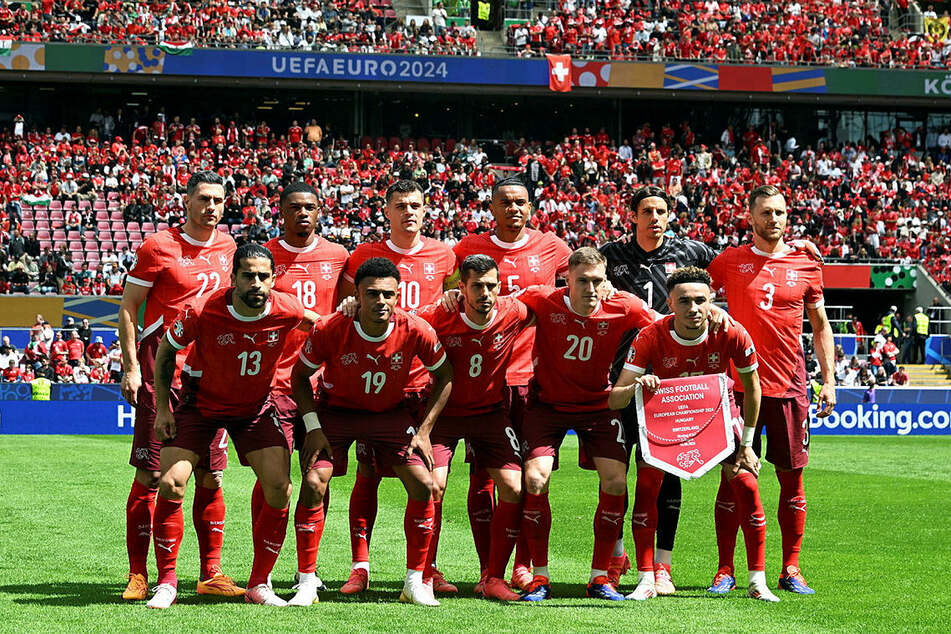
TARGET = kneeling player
(238,337)
(480,337)
(367,362)
(682,344)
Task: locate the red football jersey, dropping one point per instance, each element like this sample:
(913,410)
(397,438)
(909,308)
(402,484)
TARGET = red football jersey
(312,273)
(479,354)
(178,270)
(768,293)
(662,352)
(532,261)
(369,373)
(574,353)
(234,356)
(424,270)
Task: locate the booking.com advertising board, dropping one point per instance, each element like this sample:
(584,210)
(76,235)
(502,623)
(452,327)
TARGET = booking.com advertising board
(99,409)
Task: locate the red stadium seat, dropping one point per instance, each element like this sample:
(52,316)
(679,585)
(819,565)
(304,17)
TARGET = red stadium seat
(45,244)
(73,235)
(55,205)
(422,144)
(59,234)
(43,236)
(148,227)
(99,205)
(42,224)
(84,204)
(58,244)
(41,214)
(132,226)
(120,236)
(69,205)
(57,216)
(162,226)
(75,245)
(116,216)
(117,226)
(103,227)
(26,226)
(106,245)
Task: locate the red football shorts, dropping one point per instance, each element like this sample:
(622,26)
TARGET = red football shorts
(491,438)
(786,421)
(415,403)
(601,432)
(387,434)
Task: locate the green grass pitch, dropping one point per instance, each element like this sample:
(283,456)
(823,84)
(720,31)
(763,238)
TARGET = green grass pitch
(876,550)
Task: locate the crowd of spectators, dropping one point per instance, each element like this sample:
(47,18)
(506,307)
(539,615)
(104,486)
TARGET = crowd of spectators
(75,205)
(825,32)
(355,26)
(71,354)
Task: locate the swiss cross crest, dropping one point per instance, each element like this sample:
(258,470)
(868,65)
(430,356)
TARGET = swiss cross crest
(534,263)
(396,361)
(225,338)
(621,270)
(603,328)
(224,262)
(713,359)
(429,268)
(559,318)
(454,342)
(280,270)
(326,270)
(686,459)
(273,338)
(791,277)
(497,340)
(178,328)
(670,362)
(347,359)
(670,267)
(746,267)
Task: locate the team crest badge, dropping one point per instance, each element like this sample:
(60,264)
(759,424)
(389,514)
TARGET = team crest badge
(670,362)
(559,318)
(534,263)
(429,268)
(670,267)
(225,339)
(347,359)
(603,328)
(622,270)
(713,359)
(497,340)
(185,261)
(396,361)
(454,342)
(273,338)
(746,267)
(280,270)
(326,271)
(224,262)
(791,277)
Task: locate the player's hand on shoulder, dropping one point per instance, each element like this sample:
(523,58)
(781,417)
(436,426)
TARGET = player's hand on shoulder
(719,318)
(450,300)
(809,247)
(421,444)
(648,382)
(315,442)
(131,382)
(606,290)
(348,306)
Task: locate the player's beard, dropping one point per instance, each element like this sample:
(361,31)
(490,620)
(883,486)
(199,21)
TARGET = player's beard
(254,300)
(766,234)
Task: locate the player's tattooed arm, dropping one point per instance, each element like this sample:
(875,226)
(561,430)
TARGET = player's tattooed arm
(164,425)
(752,395)
(442,386)
(825,349)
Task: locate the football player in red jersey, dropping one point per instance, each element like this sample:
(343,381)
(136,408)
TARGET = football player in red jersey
(426,267)
(238,336)
(683,344)
(768,285)
(310,267)
(576,336)
(174,267)
(525,257)
(480,337)
(367,361)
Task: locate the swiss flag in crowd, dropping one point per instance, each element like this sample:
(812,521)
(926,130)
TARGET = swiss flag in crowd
(559,73)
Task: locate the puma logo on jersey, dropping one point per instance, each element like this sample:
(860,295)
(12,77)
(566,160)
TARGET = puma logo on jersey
(408,267)
(302,267)
(770,270)
(251,337)
(580,322)
(510,261)
(693,361)
(206,259)
(476,341)
(375,360)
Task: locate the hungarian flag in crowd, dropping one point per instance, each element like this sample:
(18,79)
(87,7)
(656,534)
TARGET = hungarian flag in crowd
(559,73)
(6,44)
(176,48)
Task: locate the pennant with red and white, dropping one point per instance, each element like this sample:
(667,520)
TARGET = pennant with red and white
(559,73)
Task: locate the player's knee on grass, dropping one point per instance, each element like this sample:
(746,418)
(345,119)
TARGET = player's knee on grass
(313,487)
(509,484)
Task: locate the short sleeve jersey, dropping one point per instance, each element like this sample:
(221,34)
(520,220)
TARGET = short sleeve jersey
(177,270)
(768,293)
(659,350)
(368,373)
(534,260)
(312,274)
(479,355)
(423,269)
(234,356)
(574,352)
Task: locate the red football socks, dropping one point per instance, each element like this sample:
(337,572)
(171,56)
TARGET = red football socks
(208,514)
(481,506)
(268,537)
(418,527)
(644,516)
(607,527)
(434,542)
(168,526)
(363,505)
(523,555)
(536,526)
(506,523)
(791,514)
(308,527)
(727,522)
(752,519)
(138,526)
(257,501)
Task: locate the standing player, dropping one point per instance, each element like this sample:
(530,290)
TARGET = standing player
(427,267)
(480,337)
(239,335)
(683,344)
(576,336)
(525,257)
(309,267)
(768,286)
(367,362)
(174,267)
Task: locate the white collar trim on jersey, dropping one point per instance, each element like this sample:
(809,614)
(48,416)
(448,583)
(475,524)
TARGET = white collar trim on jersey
(502,244)
(240,317)
(292,249)
(412,251)
(689,342)
(568,304)
(770,255)
(360,331)
(195,243)
(475,326)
